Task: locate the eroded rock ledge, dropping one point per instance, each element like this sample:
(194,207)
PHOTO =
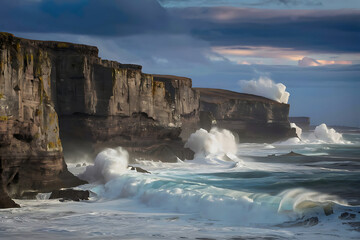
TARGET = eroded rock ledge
(253,118)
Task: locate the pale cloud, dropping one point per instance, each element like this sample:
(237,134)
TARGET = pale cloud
(311,62)
(280,56)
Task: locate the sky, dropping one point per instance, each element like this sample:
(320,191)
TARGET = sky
(311,46)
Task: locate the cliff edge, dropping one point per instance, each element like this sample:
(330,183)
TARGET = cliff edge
(253,118)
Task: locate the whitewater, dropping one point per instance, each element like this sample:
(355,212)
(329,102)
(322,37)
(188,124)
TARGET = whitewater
(230,190)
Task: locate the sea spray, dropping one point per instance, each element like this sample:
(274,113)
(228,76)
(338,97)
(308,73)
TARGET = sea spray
(329,135)
(108,165)
(298,130)
(266,87)
(215,141)
(321,135)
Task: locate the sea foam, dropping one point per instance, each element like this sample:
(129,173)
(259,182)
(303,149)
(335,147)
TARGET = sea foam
(216,141)
(321,135)
(108,165)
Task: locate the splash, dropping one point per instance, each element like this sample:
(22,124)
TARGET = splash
(217,141)
(298,129)
(266,87)
(321,135)
(108,165)
(322,132)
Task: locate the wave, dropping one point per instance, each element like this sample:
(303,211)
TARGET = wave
(108,164)
(321,135)
(214,142)
(176,194)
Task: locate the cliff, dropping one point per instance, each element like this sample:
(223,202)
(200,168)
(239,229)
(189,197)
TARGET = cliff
(30,147)
(253,118)
(61,100)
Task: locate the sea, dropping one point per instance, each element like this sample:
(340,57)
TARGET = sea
(302,188)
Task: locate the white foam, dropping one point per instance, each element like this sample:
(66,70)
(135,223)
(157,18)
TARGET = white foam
(298,129)
(217,141)
(108,164)
(321,135)
(266,87)
(322,132)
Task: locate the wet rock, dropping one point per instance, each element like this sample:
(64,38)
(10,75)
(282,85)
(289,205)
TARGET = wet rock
(291,154)
(138,169)
(70,195)
(309,222)
(347,216)
(5,200)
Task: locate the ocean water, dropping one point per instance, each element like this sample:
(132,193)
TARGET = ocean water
(230,190)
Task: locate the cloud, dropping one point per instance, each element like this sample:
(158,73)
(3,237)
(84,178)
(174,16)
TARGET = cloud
(305,30)
(107,18)
(310,62)
(202,3)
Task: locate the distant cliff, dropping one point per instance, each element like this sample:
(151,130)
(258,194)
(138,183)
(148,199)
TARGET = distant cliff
(252,118)
(302,122)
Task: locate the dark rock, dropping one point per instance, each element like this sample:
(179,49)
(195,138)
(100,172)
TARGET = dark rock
(347,216)
(70,195)
(78,165)
(291,154)
(5,200)
(309,222)
(252,118)
(138,169)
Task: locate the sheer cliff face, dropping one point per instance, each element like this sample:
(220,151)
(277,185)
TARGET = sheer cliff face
(253,118)
(30,147)
(104,103)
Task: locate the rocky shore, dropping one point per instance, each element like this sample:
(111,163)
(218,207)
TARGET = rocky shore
(60,99)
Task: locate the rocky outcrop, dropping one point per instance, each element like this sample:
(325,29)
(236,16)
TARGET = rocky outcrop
(252,118)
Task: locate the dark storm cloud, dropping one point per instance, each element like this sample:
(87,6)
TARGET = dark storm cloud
(110,17)
(240,3)
(289,2)
(324,31)
(336,31)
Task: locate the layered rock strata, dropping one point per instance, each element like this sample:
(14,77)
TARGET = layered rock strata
(252,118)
